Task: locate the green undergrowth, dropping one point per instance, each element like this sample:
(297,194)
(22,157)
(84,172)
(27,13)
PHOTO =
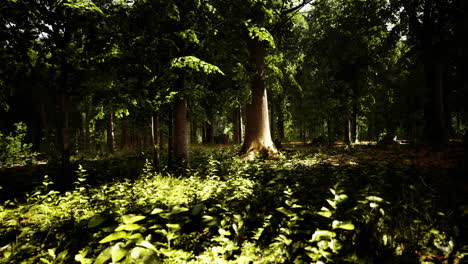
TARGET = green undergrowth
(304,208)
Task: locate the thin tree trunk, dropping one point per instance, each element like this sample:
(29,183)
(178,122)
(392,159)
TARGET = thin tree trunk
(155,142)
(181,153)
(194,132)
(347,130)
(170,140)
(212,130)
(281,120)
(65,131)
(329,132)
(110,133)
(125,142)
(45,124)
(257,134)
(86,142)
(354,125)
(237,126)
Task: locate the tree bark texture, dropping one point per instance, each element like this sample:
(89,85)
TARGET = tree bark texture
(65,130)
(155,142)
(181,154)
(126,138)
(237,126)
(110,133)
(257,135)
(436,128)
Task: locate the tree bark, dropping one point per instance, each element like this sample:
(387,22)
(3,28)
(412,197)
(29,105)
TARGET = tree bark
(65,131)
(110,133)
(45,124)
(281,119)
(194,132)
(86,141)
(155,142)
(354,125)
(257,135)
(237,126)
(125,142)
(436,129)
(170,140)
(347,129)
(181,154)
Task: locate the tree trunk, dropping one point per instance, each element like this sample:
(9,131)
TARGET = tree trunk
(181,154)
(347,129)
(65,131)
(110,133)
(212,131)
(194,132)
(237,126)
(170,140)
(354,125)
(281,120)
(86,141)
(125,142)
(436,129)
(257,132)
(155,142)
(45,124)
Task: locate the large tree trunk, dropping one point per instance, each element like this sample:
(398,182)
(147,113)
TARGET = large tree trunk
(181,153)
(110,133)
(436,129)
(155,142)
(257,132)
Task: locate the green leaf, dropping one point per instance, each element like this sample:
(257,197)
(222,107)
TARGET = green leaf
(177,209)
(129,219)
(174,227)
(157,211)
(148,245)
(96,221)
(331,203)
(322,234)
(374,199)
(326,214)
(224,232)
(284,211)
(198,208)
(260,33)
(118,252)
(129,227)
(342,225)
(104,256)
(194,64)
(114,236)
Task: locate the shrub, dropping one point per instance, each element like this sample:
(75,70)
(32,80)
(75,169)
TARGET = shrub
(13,149)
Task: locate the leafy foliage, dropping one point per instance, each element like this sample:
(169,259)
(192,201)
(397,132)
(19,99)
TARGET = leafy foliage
(226,210)
(194,64)
(14,149)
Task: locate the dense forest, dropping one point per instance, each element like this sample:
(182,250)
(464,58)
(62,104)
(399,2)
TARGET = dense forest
(247,131)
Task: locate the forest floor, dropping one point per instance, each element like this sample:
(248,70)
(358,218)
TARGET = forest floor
(365,204)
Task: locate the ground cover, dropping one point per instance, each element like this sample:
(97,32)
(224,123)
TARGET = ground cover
(366,204)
